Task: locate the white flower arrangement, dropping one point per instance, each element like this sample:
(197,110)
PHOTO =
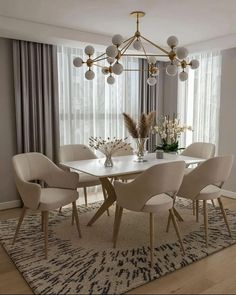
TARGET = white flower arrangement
(169,131)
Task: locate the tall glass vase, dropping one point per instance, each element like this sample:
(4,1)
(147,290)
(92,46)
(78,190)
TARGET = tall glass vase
(141,149)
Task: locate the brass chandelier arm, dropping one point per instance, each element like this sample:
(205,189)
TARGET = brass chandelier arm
(136,70)
(158,55)
(96,58)
(127,40)
(127,45)
(144,50)
(102,58)
(163,50)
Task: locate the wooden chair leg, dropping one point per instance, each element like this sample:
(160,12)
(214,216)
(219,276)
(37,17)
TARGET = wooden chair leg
(205,220)
(117,222)
(194,207)
(85,196)
(19,224)
(46,213)
(213,204)
(168,223)
(178,216)
(197,210)
(105,197)
(76,216)
(42,221)
(172,215)
(224,215)
(151,224)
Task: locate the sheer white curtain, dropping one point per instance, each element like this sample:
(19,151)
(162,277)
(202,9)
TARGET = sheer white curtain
(199,99)
(93,108)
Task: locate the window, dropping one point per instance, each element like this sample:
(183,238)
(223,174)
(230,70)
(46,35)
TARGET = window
(199,99)
(94,108)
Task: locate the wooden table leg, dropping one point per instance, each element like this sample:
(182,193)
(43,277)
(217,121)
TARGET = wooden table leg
(111,198)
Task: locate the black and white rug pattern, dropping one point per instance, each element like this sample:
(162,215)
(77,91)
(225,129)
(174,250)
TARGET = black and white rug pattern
(74,269)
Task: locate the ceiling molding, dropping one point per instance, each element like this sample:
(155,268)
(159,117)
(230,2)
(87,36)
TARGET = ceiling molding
(221,43)
(38,32)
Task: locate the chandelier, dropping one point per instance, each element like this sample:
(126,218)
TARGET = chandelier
(114,53)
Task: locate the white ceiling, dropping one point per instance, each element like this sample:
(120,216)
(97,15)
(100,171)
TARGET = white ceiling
(192,21)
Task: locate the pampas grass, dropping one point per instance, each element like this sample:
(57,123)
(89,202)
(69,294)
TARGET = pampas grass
(131,125)
(142,129)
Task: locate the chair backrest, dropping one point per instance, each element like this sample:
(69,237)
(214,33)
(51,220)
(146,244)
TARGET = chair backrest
(161,178)
(75,152)
(28,167)
(214,171)
(33,166)
(204,150)
(125,151)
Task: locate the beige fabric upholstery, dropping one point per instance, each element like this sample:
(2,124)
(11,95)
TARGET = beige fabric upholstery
(36,166)
(202,150)
(53,198)
(162,178)
(77,152)
(158,203)
(198,184)
(152,191)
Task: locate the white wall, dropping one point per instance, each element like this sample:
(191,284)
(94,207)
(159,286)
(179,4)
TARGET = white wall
(7,123)
(227,133)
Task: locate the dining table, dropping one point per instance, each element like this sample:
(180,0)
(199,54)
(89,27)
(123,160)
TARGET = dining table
(122,166)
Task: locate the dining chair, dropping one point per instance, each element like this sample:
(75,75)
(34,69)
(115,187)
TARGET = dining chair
(205,182)
(60,188)
(77,152)
(152,191)
(126,151)
(203,150)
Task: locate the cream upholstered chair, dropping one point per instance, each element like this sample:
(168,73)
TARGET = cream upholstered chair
(205,182)
(77,152)
(152,191)
(127,151)
(60,190)
(203,150)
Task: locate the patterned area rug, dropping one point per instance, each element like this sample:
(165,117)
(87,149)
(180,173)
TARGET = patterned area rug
(91,266)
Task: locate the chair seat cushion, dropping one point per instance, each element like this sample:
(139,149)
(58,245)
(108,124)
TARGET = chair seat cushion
(54,198)
(209,192)
(158,203)
(88,180)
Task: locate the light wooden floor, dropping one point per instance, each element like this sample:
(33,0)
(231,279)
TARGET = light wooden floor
(215,274)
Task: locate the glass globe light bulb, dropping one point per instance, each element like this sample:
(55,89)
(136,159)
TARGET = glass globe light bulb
(78,62)
(182,52)
(171,70)
(110,60)
(117,40)
(89,50)
(89,75)
(110,80)
(172,41)
(194,64)
(152,59)
(137,44)
(151,81)
(183,76)
(117,68)
(112,51)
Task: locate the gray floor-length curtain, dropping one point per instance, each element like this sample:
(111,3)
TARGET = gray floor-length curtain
(150,97)
(36,98)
